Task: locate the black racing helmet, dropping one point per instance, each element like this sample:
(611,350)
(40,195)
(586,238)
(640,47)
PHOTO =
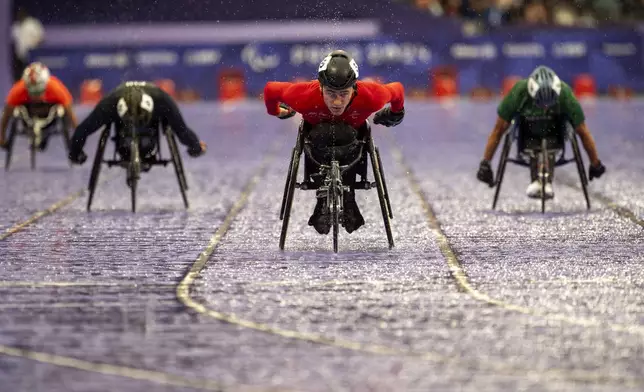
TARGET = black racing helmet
(338,70)
(544,86)
(135,107)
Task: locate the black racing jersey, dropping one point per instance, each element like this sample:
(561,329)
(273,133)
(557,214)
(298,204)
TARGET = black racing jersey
(165,113)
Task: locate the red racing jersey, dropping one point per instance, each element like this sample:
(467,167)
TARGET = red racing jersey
(306,99)
(55,93)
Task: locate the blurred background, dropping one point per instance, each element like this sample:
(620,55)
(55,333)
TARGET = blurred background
(227,50)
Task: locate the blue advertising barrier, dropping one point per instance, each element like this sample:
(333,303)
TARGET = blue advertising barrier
(612,56)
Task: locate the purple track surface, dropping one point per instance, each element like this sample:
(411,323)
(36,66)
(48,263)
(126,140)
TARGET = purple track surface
(469,299)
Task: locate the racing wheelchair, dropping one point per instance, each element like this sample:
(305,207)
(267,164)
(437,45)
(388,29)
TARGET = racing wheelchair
(547,150)
(136,163)
(32,120)
(326,180)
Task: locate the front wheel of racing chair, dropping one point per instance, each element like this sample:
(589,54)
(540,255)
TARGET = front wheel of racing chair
(96,167)
(544,171)
(177,163)
(134,168)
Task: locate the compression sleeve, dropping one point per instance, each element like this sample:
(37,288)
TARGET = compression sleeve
(103,114)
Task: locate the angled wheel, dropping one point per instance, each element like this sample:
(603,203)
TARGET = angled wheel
(500,171)
(178,166)
(67,141)
(290,189)
(96,167)
(10,142)
(380,187)
(580,168)
(384,183)
(286,185)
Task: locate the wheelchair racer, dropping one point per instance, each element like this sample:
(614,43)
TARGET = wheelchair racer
(141,105)
(335,108)
(542,104)
(36,90)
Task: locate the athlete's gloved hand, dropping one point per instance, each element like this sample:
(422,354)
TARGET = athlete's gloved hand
(197,150)
(596,171)
(388,118)
(485,173)
(78,157)
(283,115)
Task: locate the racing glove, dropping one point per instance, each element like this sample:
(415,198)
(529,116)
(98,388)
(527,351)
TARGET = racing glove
(485,173)
(78,157)
(388,118)
(596,171)
(290,113)
(197,150)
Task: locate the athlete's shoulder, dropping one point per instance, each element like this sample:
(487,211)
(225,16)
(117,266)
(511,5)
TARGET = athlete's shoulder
(17,94)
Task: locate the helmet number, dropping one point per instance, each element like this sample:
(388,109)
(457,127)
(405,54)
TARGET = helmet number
(147,103)
(324,64)
(354,67)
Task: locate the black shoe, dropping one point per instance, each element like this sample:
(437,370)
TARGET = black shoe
(352,219)
(321,218)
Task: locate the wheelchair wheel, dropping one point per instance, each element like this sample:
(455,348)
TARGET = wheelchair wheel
(384,183)
(286,185)
(67,141)
(290,191)
(96,167)
(544,171)
(134,169)
(178,166)
(380,187)
(33,149)
(10,142)
(500,171)
(580,168)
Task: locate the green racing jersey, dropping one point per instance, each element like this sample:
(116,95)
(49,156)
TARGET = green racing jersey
(518,103)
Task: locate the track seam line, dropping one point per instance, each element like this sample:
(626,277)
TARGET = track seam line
(183,295)
(621,211)
(49,210)
(153,376)
(460,276)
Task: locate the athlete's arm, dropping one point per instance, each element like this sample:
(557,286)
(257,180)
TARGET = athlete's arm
(169,110)
(103,114)
(67,101)
(575,113)
(506,110)
(588,142)
(16,97)
(274,95)
(396,96)
(495,138)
